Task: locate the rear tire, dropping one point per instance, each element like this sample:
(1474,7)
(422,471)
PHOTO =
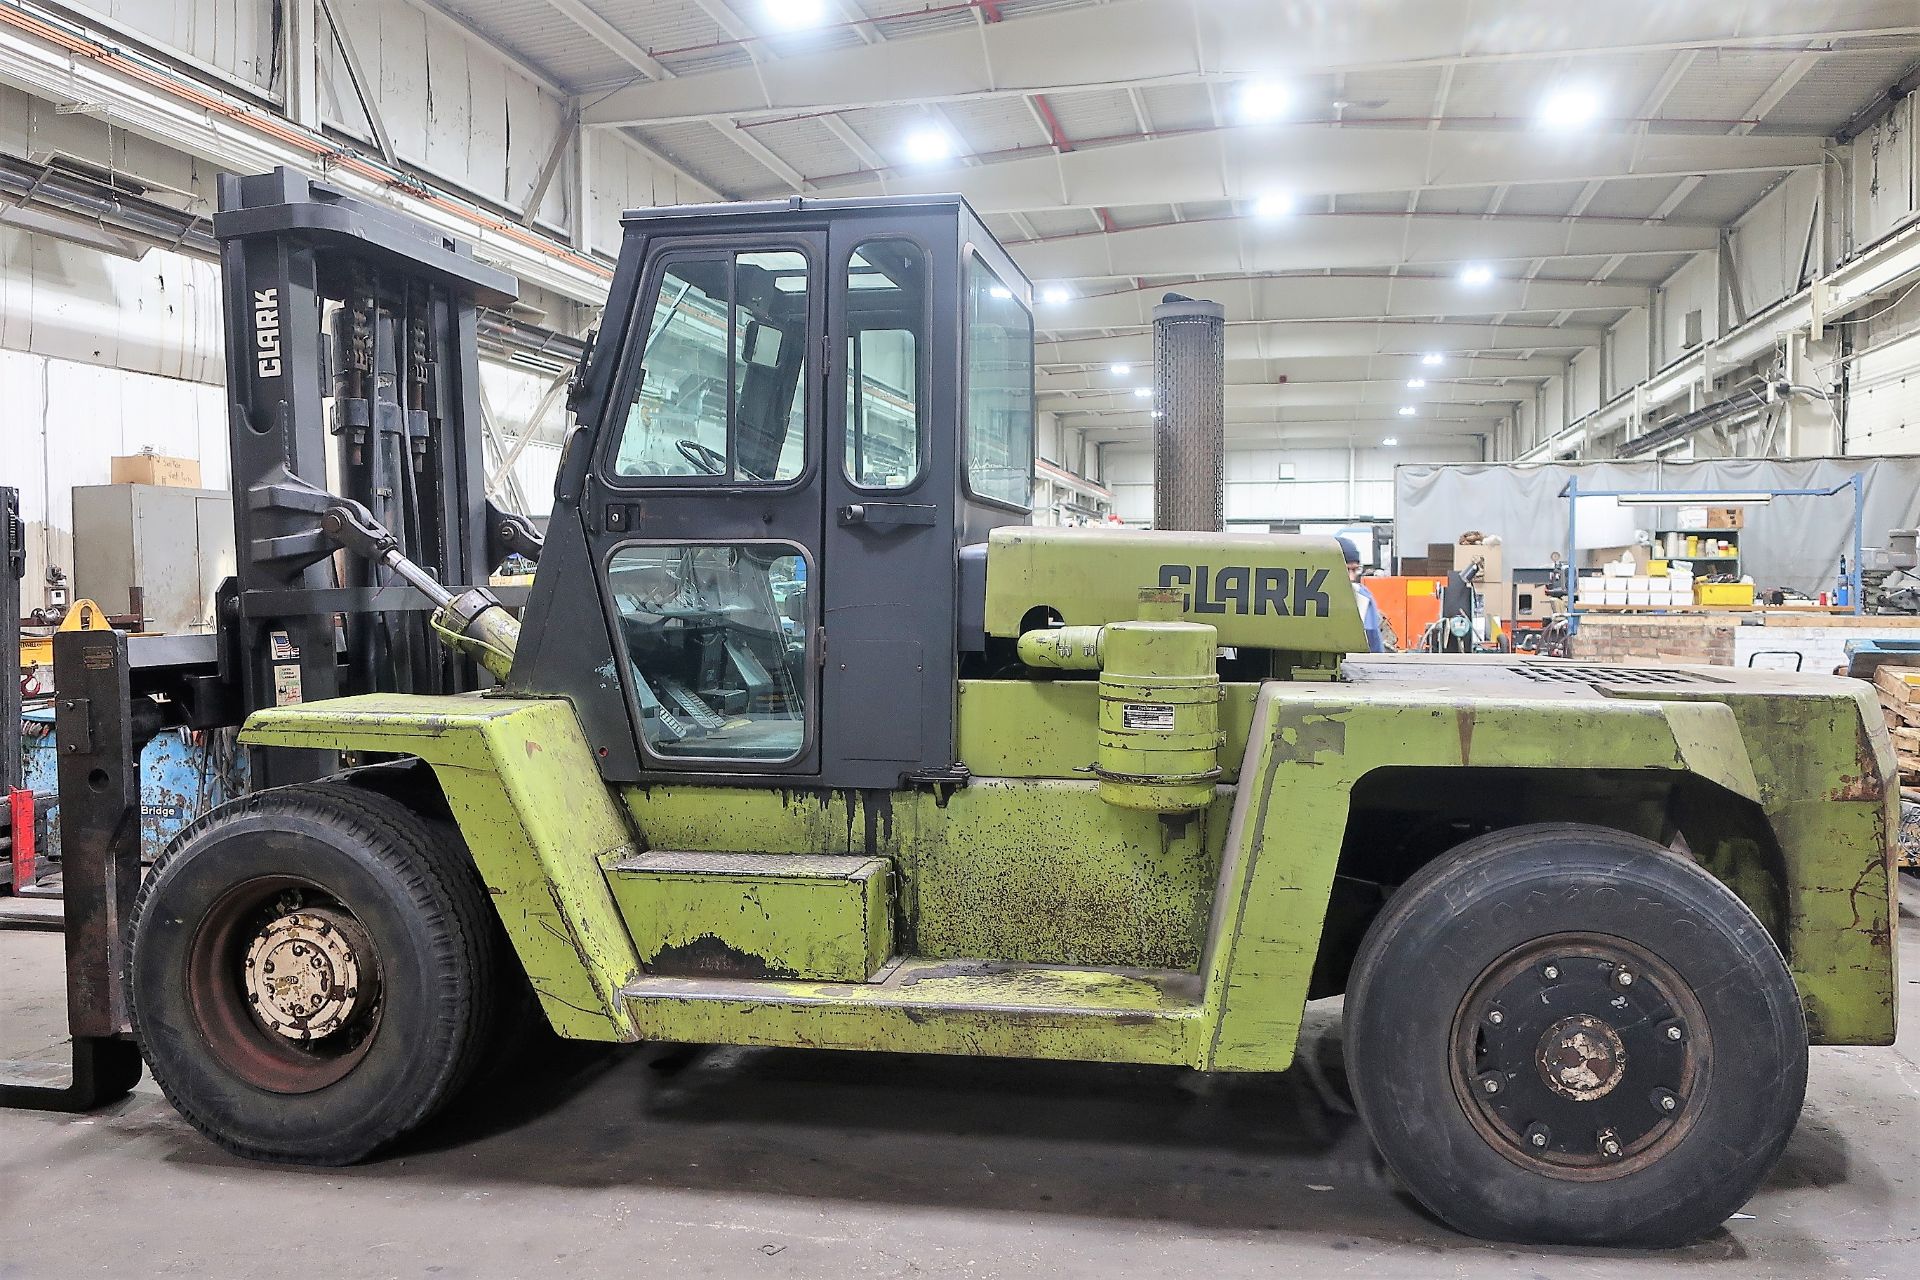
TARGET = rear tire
(313,972)
(1564,1034)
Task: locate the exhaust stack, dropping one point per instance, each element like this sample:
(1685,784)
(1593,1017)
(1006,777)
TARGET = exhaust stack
(1190,414)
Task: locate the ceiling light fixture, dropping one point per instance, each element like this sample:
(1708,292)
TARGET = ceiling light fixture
(1275,204)
(1119,370)
(1055,294)
(1414,384)
(1143,393)
(1569,108)
(1433,359)
(795,14)
(929,146)
(1264,100)
(1391,441)
(1476,275)
(1406,411)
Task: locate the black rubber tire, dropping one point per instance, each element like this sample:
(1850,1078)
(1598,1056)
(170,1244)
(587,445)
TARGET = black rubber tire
(409,883)
(1456,917)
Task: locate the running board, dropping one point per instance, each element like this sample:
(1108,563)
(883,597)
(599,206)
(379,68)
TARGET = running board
(939,1006)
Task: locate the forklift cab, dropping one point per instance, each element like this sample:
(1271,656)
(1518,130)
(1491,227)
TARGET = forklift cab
(794,417)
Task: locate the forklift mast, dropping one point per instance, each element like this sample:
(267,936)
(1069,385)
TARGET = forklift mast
(353,368)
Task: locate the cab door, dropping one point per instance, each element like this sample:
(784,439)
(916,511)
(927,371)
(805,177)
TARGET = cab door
(705,505)
(889,598)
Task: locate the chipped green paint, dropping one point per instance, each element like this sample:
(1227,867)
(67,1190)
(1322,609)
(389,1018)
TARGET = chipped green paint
(522,784)
(1313,742)
(1026,871)
(1049,729)
(975,1007)
(1823,762)
(764,915)
(1032,919)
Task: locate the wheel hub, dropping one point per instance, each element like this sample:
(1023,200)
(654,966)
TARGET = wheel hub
(303,973)
(1581,1058)
(1578,1055)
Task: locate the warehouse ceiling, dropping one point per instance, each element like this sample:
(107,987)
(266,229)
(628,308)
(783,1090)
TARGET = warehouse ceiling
(1414,211)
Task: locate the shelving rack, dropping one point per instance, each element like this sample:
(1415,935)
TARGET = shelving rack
(1722,564)
(1572,492)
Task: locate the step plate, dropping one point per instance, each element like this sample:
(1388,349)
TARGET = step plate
(939,1006)
(754,915)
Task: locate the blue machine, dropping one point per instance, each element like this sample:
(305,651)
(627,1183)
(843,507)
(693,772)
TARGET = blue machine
(182,775)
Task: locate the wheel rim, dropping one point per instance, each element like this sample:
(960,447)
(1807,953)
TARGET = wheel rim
(285,984)
(1580,1056)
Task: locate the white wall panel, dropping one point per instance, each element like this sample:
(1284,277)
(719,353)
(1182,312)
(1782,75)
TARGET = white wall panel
(624,177)
(160,315)
(1584,372)
(64,420)
(1322,484)
(1691,288)
(1770,242)
(235,37)
(1627,351)
(1884,175)
(32,128)
(452,105)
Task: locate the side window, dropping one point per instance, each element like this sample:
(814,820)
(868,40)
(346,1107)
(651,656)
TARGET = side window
(724,371)
(886,304)
(716,635)
(999,434)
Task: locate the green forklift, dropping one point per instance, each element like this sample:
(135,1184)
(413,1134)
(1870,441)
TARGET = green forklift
(805,736)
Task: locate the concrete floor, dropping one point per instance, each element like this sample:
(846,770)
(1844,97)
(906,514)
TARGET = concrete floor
(773,1163)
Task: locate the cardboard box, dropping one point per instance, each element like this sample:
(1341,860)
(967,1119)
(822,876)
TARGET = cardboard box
(155,468)
(1593,557)
(1494,568)
(1726,518)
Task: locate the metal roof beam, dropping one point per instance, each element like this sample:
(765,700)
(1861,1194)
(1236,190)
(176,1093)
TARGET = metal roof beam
(1285,340)
(1393,369)
(1349,297)
(1310,242)
(1146,42)
(1316,160)
(1384,396)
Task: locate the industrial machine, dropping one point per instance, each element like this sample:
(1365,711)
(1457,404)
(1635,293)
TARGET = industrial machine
(804,737)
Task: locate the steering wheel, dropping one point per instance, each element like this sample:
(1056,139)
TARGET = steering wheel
(710,461)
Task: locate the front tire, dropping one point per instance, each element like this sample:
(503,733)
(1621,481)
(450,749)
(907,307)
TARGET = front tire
(1564,1034)
(312,972)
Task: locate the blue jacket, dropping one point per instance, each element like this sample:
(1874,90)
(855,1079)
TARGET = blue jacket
(1369,618)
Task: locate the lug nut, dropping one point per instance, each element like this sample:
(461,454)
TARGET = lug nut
(1490,1083)
(1538,1136)
(1673,1033)
(1538,1139)
(1624,977)
(1609,1145)
(1551,972)
(1496,1017)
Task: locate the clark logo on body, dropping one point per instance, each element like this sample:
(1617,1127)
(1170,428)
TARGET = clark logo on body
(1296,593)
(266,331)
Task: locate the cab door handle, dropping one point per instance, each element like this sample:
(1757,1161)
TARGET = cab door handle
(887,515)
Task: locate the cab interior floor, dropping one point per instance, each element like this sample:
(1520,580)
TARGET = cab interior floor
(768,1163)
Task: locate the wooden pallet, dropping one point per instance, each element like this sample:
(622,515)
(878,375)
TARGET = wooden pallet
(1899,692)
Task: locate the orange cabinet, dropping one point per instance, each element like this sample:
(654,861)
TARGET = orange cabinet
(1410,605)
